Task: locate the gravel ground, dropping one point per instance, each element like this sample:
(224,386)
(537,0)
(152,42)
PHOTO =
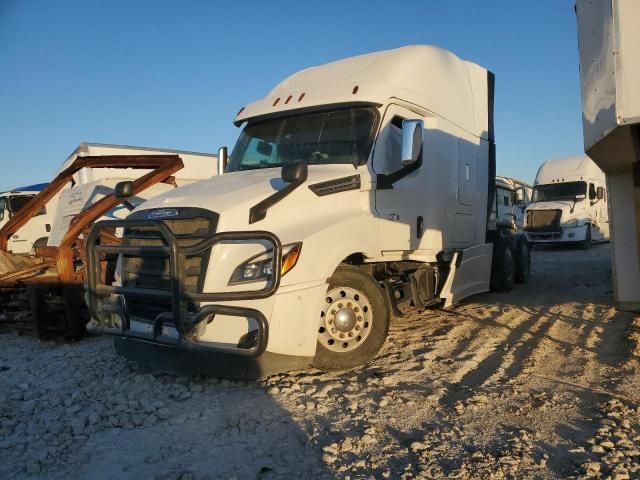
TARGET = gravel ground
(542,382)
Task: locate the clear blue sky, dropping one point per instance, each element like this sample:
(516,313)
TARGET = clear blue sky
(174,73)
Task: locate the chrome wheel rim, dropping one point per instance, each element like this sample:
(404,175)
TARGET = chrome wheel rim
(345,319)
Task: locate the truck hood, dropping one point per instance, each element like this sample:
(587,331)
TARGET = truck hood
(233,194)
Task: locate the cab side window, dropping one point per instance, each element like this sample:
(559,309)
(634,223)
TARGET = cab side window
(3,207)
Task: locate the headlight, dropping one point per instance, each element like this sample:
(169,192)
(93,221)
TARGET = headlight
(571,223)
(260,267)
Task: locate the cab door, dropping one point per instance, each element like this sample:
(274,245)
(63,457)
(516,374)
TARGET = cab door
(400,205)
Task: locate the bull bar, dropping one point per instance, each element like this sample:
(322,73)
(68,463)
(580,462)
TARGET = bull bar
(184,322)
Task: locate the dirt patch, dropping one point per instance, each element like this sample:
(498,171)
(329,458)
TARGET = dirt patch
(541,382)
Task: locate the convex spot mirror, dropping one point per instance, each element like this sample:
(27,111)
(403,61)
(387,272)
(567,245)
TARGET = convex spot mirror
(294,172)
(123,190)
(411,141)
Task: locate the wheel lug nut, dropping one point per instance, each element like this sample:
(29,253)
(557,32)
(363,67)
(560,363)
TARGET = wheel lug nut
(358,327)
(333,330)
(340,305)
(330,322)
(356,309)
(350,334)
(359,319)
(342,335)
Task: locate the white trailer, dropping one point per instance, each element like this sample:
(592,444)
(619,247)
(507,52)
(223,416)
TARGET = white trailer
(37,231)
(92,184)
(353,187)
(569,203)
(608,40)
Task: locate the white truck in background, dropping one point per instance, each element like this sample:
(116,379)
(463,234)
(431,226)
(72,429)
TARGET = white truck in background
(608,39)
(36,233)
(354,187)
(512,198)
(569,203)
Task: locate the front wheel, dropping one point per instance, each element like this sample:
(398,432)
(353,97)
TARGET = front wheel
(502,268)
(353,321)
(523,262)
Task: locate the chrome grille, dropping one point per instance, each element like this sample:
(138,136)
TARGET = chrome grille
(153,272)
(543,220)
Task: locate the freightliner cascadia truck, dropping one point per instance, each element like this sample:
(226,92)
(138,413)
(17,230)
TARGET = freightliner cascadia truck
(353,188)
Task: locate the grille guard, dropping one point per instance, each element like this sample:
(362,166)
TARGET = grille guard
(184,322)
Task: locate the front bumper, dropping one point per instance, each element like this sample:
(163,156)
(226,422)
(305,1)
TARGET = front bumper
(178,327)
(564,235)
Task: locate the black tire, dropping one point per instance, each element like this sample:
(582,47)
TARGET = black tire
(523,262)
(502,269)
(376,321)
(586,243)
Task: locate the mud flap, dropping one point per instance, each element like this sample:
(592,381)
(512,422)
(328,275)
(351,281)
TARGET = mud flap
(470,273)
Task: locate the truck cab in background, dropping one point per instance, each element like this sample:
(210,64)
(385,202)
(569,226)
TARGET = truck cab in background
(569,203)
(354,187)
(512,198)
(37,232)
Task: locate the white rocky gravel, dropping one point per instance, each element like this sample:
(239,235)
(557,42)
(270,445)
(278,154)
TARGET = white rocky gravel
(542,382)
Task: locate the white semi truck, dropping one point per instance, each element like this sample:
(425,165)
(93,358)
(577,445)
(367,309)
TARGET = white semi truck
(608,39)
(569,203)
(36,233)
(354,187)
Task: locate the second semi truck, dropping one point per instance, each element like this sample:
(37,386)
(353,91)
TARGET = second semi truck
(354,187)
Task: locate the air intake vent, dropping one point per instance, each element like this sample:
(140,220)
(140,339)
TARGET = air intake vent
(335,186)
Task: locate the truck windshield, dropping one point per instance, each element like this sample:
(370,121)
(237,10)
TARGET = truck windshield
(338,136)
(559,191)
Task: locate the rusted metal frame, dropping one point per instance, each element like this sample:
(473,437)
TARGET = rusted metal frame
(64,259)
(13,276)
(100,161)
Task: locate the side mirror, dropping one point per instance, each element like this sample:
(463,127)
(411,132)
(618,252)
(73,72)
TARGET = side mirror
(123,190)
(600,193)
(294,172)
(223,160)
(518,197)
(411,141)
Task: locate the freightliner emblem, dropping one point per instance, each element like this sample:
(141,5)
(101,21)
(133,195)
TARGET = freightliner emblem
(163,213)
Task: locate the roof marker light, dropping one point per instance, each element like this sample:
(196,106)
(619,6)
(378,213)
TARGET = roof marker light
(355,90)
(276,102)
(301,97)
(240,111)
(288,99)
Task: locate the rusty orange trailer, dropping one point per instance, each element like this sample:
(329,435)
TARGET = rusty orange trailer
(52,280)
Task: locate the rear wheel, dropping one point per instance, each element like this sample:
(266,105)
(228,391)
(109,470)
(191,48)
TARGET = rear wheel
(523,262)
(502,268)
(353,321)
(586,243)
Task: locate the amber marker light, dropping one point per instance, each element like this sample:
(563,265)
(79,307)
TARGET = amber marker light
(290,259)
